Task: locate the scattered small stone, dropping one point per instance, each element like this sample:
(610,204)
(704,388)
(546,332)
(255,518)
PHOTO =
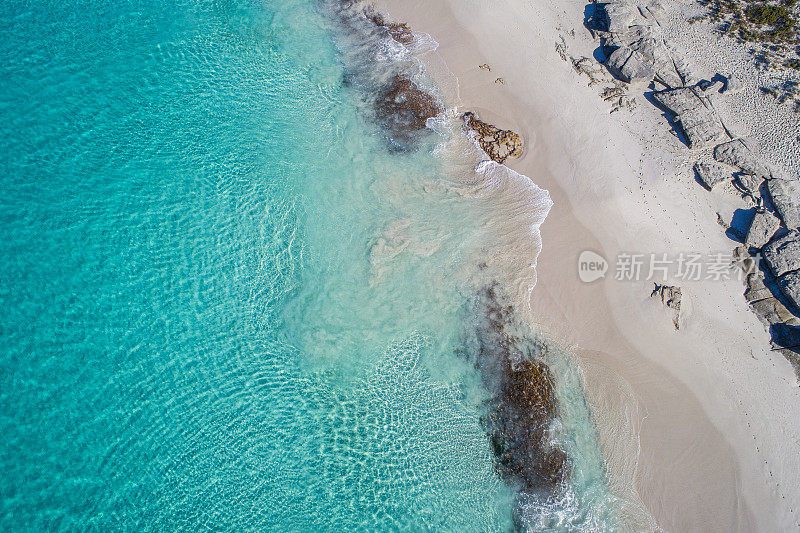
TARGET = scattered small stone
(670,297)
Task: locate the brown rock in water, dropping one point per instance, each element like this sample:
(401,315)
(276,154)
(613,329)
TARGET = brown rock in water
(404,108)
(399,31)
(498,144)
(524,405)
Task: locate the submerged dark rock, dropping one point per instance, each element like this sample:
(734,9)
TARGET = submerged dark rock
(399,31)
(403,108)
(523,407)
(519,424)
(391,89)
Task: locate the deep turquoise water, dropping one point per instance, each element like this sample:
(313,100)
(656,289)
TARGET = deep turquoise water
(228,302)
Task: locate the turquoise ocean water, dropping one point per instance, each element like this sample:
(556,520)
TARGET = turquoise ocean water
(229,302)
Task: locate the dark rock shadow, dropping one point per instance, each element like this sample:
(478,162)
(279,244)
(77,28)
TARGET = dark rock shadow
(699,180)
(594,18)
(771,283)
(786,338)
(600,54)
(740,224)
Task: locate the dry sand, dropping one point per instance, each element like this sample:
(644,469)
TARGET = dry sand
(703,422)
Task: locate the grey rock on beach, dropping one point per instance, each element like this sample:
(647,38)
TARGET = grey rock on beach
(620,15)
(785,196)
(762,228)
(738,153)
(711,175)
(783,257)
(671,298)
(630,66)
(696,115)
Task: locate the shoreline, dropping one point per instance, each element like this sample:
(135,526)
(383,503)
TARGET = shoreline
(714,403)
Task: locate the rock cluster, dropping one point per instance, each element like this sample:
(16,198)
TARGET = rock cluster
(784,326)
(637,53)
(400,105)
(498,144)
(636,49)
(524,405)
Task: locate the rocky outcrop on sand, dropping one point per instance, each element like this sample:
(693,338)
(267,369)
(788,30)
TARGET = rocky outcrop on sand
(783,255)
(671,298)
(783,325)
(636,51)
(630,66)
(523,407)
(498,144)
(634,45)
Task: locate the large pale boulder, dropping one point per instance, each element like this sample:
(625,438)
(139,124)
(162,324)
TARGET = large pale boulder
(785,196)
(738,154)
(790,286)
(783,255)
(620,15)
(630,66)
(762,228)
(711,175)
(696,115)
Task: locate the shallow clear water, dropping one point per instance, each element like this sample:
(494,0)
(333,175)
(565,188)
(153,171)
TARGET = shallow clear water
(229,302)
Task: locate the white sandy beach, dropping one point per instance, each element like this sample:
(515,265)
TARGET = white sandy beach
(715,410)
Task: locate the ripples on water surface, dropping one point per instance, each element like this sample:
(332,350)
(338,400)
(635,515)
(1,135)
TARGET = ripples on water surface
(229,302)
